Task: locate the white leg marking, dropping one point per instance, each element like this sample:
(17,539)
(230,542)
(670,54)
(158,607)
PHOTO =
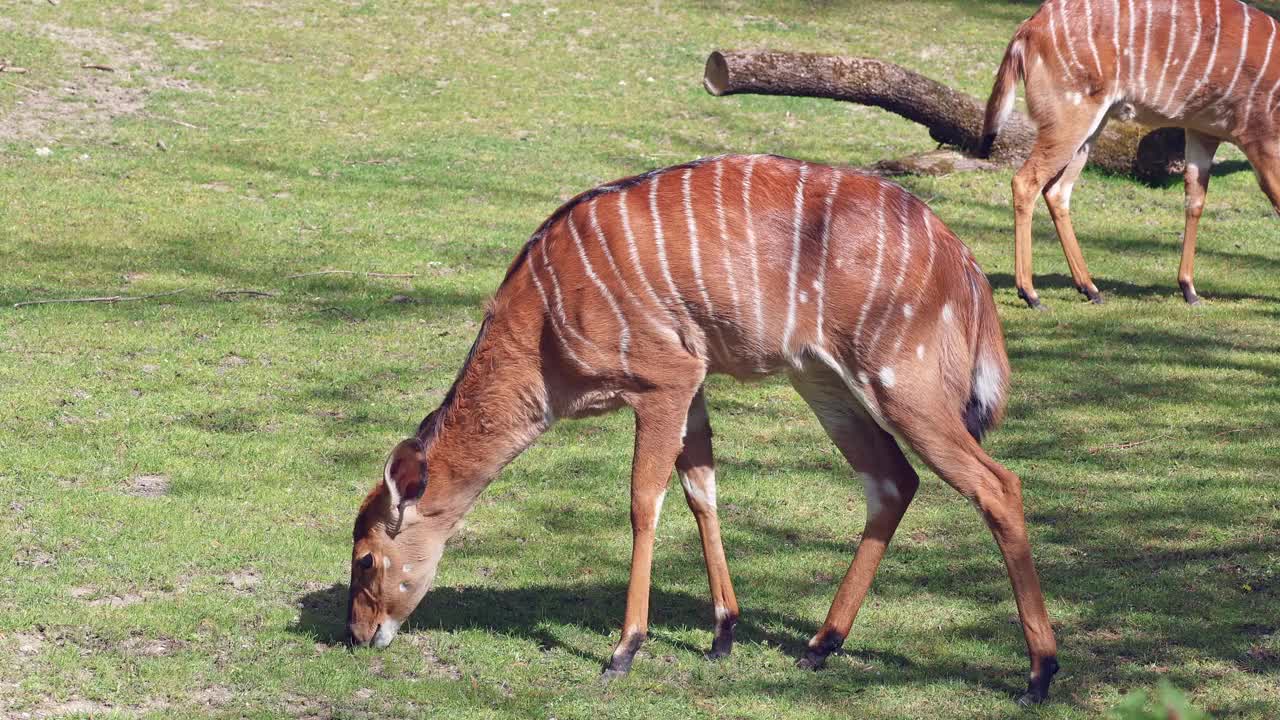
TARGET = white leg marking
(624,332)
(875,273)
(657,508)
(1213,58)
(1194,47)
(797,215)
(879,493)
(696,259)
(722,613)
(751,249)
(1253,89)
(703,493)
(904,259)
(1168,51)
(820,284)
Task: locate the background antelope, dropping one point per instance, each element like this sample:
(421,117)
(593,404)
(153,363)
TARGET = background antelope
(1203,65)
(630,294)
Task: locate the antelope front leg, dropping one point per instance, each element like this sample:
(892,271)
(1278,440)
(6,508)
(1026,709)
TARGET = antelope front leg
(696,467)
(658,442)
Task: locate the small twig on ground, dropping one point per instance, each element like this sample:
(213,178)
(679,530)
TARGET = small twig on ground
(175,122)
(12,69)
(1126,445)
(348,316)
(251,293)
(349,272)
(96,66)
(109,299)
(19,85)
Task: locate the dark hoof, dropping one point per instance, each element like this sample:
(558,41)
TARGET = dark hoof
(811,661)
(1189,293)
(1038,688)
(1094,296)
(1032,301)
(715,654)
(1030,699)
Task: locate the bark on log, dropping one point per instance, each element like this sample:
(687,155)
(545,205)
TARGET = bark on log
(953,117)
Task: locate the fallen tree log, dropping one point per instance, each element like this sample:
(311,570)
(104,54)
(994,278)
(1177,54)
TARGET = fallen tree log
(953,118)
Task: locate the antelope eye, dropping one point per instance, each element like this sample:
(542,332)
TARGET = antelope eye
(366,561)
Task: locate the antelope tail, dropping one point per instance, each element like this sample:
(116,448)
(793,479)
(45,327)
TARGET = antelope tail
(989,381)
(1000,105)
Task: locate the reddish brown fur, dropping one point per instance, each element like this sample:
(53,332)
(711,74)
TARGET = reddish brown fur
(889,331)
(1209,66)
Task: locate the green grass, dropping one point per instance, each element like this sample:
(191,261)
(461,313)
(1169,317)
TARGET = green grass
(368,136)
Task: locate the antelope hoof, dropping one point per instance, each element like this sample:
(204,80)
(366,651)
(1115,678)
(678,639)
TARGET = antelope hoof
(812,661)
(1038,688)
(820,648)
(1032,301)
(620,662)
(1092,293)
(716,653)
(1189,293)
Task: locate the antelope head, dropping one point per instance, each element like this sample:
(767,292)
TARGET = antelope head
(396,550)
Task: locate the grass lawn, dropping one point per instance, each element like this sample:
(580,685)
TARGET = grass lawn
(178,475)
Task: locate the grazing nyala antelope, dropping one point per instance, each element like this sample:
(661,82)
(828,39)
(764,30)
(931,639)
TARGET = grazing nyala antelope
(631,293)
(1202,65)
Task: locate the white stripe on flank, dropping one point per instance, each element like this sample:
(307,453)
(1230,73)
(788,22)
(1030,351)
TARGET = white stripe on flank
(724,242)
(546,304)
(1253,89)
(624,333)
(1146,51)
(559,300)
(1133,60)
(904,258)
(751,249)
(696,260)
(649,317)
(796,214)
(1244,53)
(1168,52)
(1213,59)
(1088,33)
(660,240)
(875,274)
(924,276)
(1194,47)
(856,387)
(1057,50)
(820,284)
(633,252)
(1066,34)
(1115,40)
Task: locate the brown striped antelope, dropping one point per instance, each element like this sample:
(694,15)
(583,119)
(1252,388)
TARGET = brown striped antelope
(631,293)
(1203,65)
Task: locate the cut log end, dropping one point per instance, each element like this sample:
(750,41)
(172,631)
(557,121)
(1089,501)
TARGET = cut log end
(715,77)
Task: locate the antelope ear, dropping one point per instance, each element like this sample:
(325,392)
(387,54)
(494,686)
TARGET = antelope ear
(406,473)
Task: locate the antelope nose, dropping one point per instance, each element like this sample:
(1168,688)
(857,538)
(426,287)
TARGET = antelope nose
(357,637)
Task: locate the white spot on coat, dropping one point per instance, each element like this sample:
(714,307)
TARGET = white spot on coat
(887,377)
(920,351)
(947,313)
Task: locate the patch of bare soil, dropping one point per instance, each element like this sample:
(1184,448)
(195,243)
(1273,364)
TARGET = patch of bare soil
(109,76)
(148,485)
(244,581)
